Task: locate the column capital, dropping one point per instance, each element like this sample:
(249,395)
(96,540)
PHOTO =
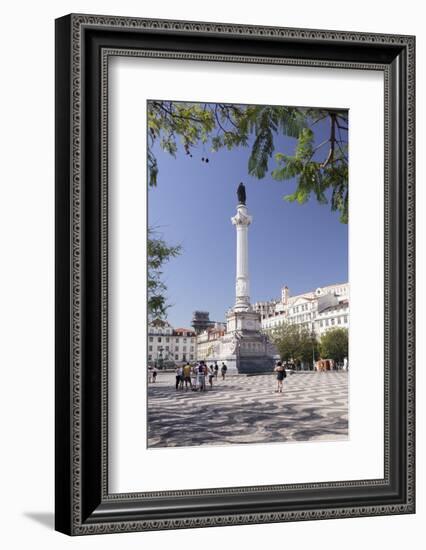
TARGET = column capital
(242,217)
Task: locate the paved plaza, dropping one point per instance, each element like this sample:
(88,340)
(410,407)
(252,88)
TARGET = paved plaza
(246,409)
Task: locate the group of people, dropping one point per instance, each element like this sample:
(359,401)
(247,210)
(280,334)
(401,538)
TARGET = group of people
(329,364)
(195,376)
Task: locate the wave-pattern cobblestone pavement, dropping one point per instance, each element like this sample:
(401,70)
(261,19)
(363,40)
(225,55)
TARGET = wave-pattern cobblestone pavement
(240,410)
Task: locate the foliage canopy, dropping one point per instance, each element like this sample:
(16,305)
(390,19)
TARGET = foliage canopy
(334,344)
(294,342)
(158,253)
(316,168)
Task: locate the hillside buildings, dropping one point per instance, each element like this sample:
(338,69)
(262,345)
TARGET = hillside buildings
(318,310)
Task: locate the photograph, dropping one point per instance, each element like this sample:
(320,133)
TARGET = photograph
(248,302)
(234,272)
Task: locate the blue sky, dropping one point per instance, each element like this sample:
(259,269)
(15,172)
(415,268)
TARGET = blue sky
(301,246)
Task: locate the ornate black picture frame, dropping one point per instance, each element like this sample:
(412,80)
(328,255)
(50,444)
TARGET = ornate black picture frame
(83,503)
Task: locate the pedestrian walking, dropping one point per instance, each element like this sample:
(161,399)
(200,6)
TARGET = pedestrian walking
(281,374)
(187,376)
(194,377)
(179,377)
(216,369)
(202,376)
(223,370)
(211,376)
(149,374)
(154,374)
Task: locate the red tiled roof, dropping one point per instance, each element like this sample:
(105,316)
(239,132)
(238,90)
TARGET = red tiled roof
(182,330)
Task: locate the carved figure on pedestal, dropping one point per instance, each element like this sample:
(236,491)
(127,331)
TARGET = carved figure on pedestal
(241,193)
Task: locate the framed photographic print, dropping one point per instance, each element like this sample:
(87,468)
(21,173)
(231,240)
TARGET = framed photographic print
(234,274)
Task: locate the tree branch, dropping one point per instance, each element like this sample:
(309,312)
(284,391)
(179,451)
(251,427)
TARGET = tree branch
(175,115)
(218,122)
(330,157)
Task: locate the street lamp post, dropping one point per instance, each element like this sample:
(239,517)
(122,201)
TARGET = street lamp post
(160,357)
(313,348)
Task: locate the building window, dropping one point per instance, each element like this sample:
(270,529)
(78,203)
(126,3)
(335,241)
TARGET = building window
(149,357)
(176,357)
(192,357)
(184,339)
(159,339)
(151,339)
(192,348)
(167,348)
(167,339)
(177,340)
(346,318)
(176,348)
(332,321)
(150,348)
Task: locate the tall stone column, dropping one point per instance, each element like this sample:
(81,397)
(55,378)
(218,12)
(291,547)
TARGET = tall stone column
(242,220)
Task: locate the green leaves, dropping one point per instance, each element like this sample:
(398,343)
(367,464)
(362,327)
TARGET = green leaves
(334,344)
(158,252)
(265,122)
(152,169)
(261,152)
(173,123)
(294,342)
(319,170)
(315,176)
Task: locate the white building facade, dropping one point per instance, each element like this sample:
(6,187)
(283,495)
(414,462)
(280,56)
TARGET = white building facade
(318,310)
(334,316)
(168,344)
(208,340)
